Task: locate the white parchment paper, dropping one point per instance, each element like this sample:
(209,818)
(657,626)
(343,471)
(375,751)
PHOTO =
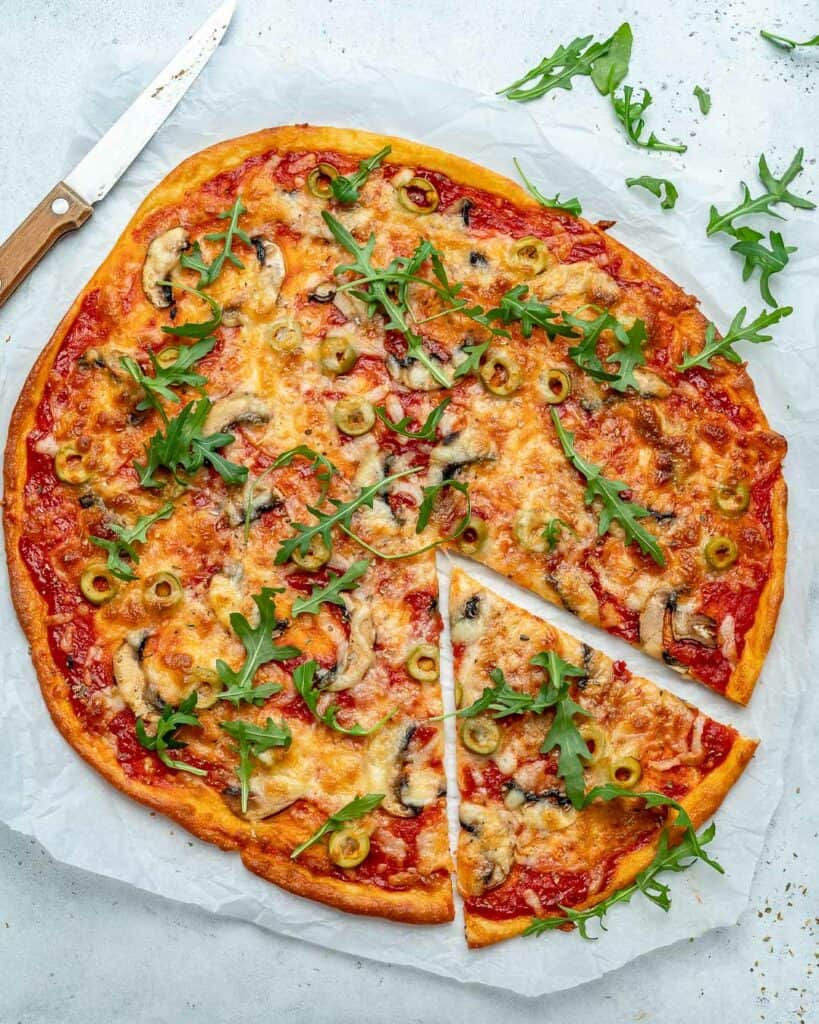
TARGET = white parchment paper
(51,794)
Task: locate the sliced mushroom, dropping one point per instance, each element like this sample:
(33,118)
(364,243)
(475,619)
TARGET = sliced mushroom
(489,849)
(598,667)
(456,451)
(469,621)
(105,357)
(263,499)
(651,384)
(238,408)
(271,262)
(412,374)
(652,620)
(358,655)
(576,592)
(262,803)
(585,280)
(687,624)
(161,259)
(130,678)
(408,781)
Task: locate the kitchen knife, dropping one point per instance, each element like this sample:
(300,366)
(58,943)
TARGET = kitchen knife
(69,204)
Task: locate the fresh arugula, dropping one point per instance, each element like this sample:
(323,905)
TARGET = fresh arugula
(676,858)
(472,363)
(787,44)
(714,346)
(563,732)
(352,811)
(341,516)
(611,68)
(703,98)
(427,431)
(768,261)
(331,592)
(529,313)
(588,332)
(251,741)
(322,467)
(630,111)
(629,356)
(776,191)
(662,188)
(614,507)
(202,329)
(345,189)
(126,537)
(183,449)
(304,681)
(259,650)
(556,203)
(578,58)
(179,373)
(164,739)
(552,531)
(502,700)
(196,261)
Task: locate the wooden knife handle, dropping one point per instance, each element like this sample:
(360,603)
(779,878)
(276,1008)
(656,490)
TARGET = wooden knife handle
(62,210)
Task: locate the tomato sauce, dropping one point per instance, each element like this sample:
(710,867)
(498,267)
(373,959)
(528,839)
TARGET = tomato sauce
(552,888)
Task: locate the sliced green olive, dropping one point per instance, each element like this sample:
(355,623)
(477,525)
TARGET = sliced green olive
(595,740)
(731,501)
(625,772)
(319,180)
(285,334)
(348,847)
(721,552)
(167,356)
(557,386)
(338,355)
(207,684)
(501,374)
(474,536)
(422,663)
(480,735)
(429,192)
(69,465)
(354,415)
(162,590)
(316,555)
(530,254)
(98,584)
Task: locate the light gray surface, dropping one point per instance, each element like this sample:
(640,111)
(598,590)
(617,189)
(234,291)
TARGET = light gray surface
(77,948)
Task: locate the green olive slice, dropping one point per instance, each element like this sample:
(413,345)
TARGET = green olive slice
(721,552)
(348,847)
(206,683)
(316,555)
(98,584)
(285,334)
(474,536)
(595,739)
(338,355)
(480,735)
(69,465)
(429,202)
(319,180)
(530,255)
(423,663)
(731,501)
(557,386)
(354,415)
(162,590)
(167,356)
(625,772)
(501,374)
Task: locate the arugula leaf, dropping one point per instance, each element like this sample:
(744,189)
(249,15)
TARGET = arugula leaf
(530,313)
(195,260)
(472,363)
(352,811)
(196,330)
(259,650)
(552,530)
(126,538)
(563,732)
(331,592)
(629,356)
(179,373)
(703,98)
(558,70)
(232,231)
(164,739)
(677,858)
(657,186)
(305,686)
(427,431)
(183,449)
(609,70)
(345,189)
(251,741)
(503,700)
(584,354)
(569,205)
(776,191)
(614,507)
(322,466)
(787,44)
(629,112)
(713,346)
(611,791)
(341,516)
(768,261)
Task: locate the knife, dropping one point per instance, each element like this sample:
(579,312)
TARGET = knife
(69,204)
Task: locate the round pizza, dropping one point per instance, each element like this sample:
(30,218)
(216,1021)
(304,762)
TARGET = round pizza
(314,357)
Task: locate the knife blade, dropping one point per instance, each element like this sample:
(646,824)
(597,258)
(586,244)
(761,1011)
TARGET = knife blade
(69,204)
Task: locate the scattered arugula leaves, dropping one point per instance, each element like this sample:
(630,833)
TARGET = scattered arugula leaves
(768,261)
(611,68)
(787,44)
(179,373)
(662,188)
(563,732)
(202,329)
(304,681)
(503,700)
(472,363)
(345,189)
(714,346)
(703,99)
(209,272)
(569,205)
(529,313)
(629,112)
(588,332)
(126,537)
(352,811)
(251,741)
(164,739)
(331,592)
(427,431)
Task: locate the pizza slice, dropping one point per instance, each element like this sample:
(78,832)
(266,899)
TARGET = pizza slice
(574,775)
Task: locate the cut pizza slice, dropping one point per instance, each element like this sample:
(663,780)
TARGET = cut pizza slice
(574,775)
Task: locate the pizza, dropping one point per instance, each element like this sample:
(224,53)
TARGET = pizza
(314,357)
(525,847)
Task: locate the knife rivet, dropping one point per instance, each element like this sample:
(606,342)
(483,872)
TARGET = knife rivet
(60,206)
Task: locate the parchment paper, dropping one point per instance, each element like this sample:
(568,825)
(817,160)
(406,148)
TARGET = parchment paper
(49,792)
